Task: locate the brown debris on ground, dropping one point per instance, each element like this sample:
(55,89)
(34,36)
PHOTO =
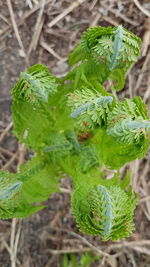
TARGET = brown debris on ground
(45,31)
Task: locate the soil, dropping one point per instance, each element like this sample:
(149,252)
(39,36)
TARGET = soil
(46,236)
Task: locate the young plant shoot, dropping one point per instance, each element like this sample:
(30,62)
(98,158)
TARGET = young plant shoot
(76,126)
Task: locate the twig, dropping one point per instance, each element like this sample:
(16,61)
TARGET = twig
(130,80)
(85,241)
(9,251)
(16,241)
(132,260)
(142,250)
(135,245)
(50,261)
(66,12)
(6,151)
(12,249)
(3,158)
(16,28)
(21,21)
(6,131)
(144,199)
(4,19)
(143,176)
(12,239)
(65,190)
(37,29)
(7,247)
(21,152)
(50,50)
(118,14)
(147,93)
(29,3)
(146,39)
(55,33)
(35,1)
(147,59)
(130,244)
(5,167)
(96,19)
(93,4)
(134,167)
(143,10)
(110,20)
(66,251)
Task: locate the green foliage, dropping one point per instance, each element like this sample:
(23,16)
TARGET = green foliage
(114,47)
(102,51)
(85,260)
(104,208)
(117,77)
(104,211)
(130,117)
(89,107)
(76,127)
(33,183)
(30,108)
(115,154)
(35,85)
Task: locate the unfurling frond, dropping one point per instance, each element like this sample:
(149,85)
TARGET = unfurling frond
(130,131)
(115,47)
(106,211)
(128,122)
(35,85)
(126,136)
(31,113)
(89,107)
(109,50)
(88,40)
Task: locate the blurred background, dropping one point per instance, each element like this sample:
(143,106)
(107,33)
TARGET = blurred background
(45,31)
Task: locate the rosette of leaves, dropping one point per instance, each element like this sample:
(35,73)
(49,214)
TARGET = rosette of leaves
(89,107)
(104,210)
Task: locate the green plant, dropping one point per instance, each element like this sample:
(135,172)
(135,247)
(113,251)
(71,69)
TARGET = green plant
(75,126)
(86,259)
